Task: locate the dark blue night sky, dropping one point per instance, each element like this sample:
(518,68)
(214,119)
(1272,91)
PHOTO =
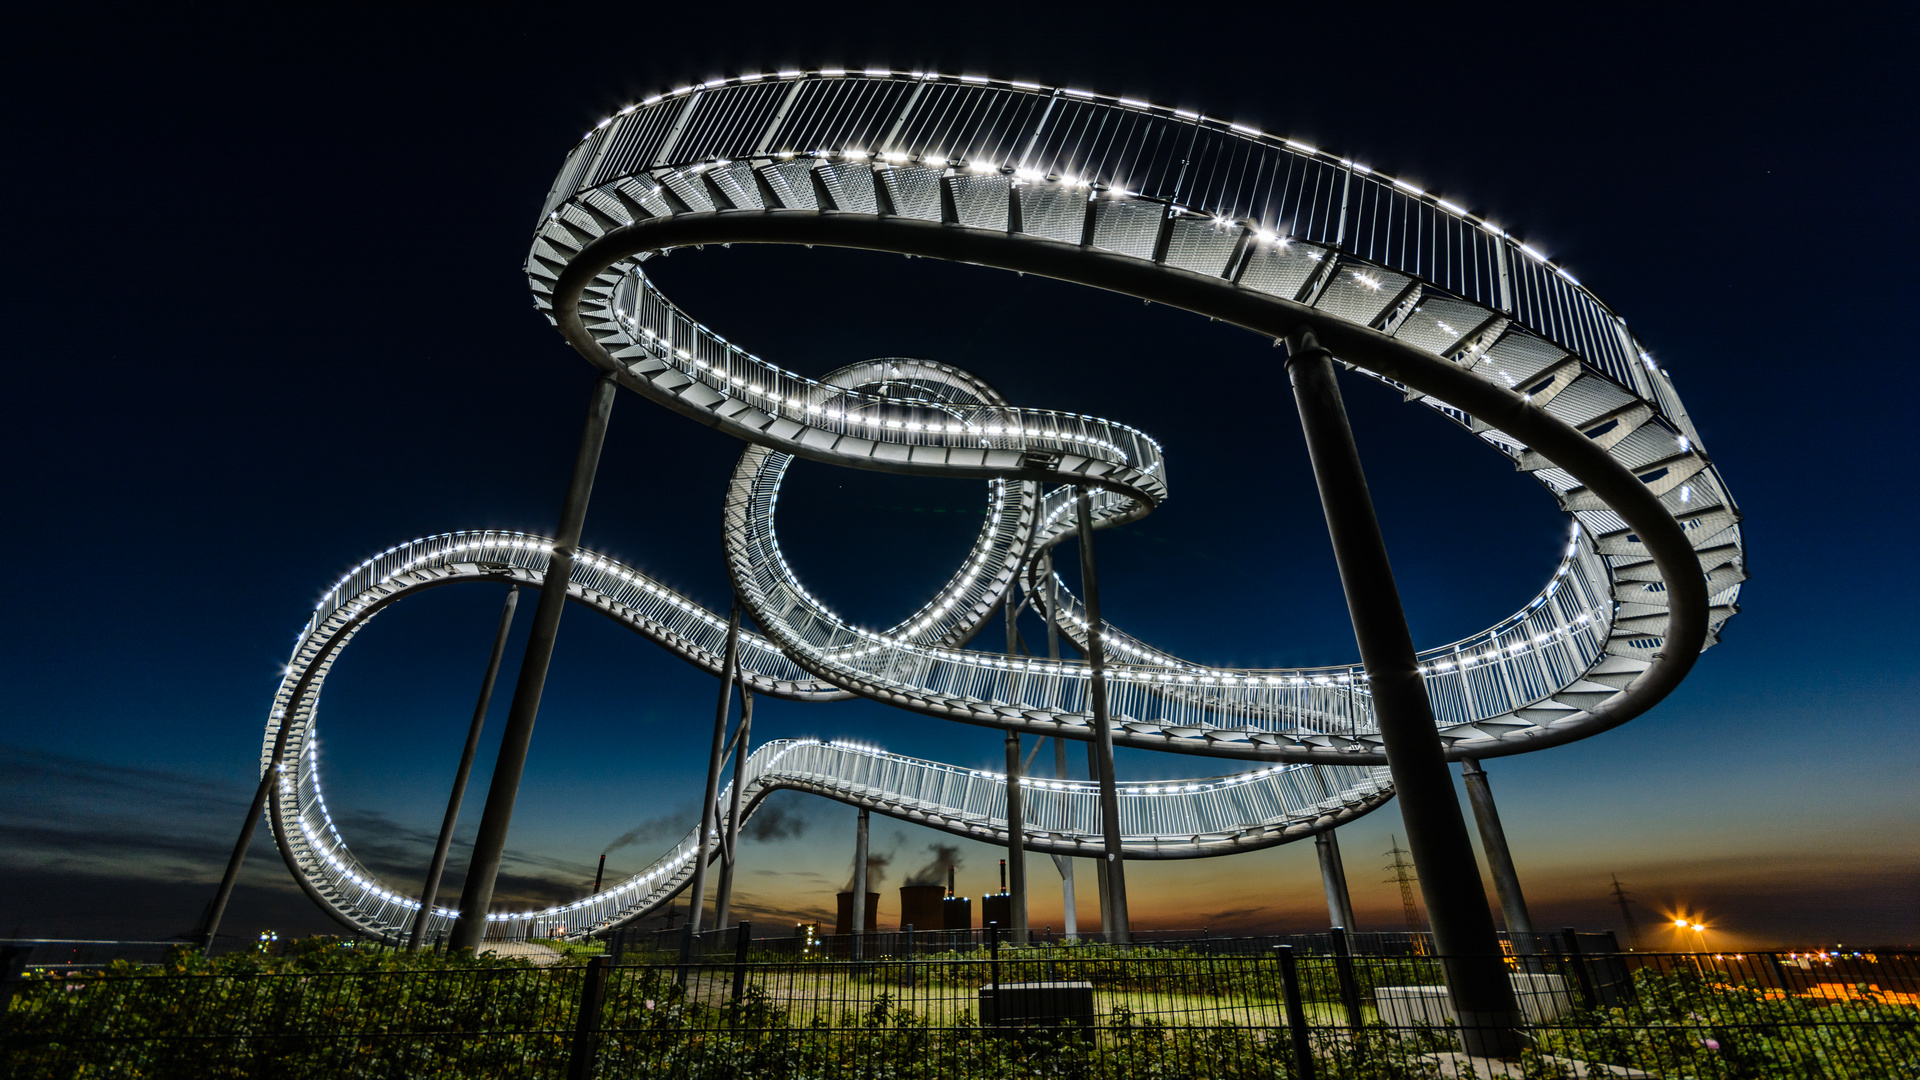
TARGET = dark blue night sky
(264,317)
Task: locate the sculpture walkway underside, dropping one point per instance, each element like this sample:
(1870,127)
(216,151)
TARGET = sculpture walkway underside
(1211,217)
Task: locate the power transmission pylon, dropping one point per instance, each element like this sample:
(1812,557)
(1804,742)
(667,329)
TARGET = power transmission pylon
(1403,873)
(1626,913)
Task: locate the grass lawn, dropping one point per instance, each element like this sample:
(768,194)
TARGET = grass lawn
(832,997)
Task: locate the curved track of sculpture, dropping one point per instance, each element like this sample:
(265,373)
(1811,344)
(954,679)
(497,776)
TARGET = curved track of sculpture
(1209,216)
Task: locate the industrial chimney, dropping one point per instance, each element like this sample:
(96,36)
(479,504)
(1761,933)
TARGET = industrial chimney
(998,907)
(956,912)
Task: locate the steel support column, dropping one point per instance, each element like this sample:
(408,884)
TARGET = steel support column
(743,741)
(1016,844)
(1016,826)
(1015,646)
(1100,882)
(1333,877)
(1463,930)
(857,917)
(491,842)
(697,891)
(1493,838)
(430,892)
(276,759)
(1070,917)
(217,909)
(1114,865)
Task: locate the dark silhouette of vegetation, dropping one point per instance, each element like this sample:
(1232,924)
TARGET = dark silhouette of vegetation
(323,1008)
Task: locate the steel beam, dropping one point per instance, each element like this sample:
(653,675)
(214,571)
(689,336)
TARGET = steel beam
(217,909)
(1333,878)
(490,845)
(1463,929)
(1102,885)
(1070,917)
(743,740)
(1493,838)
(430,891)
(1114,865)
(697,891)
(1016,844)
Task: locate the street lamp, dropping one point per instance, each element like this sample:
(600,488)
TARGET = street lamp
(1682,925)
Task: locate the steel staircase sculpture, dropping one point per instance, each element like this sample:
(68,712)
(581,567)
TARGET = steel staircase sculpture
(1210,216)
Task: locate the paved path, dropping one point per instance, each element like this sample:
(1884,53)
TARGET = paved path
(540,955)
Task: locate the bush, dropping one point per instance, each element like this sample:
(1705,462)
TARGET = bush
(1688,1023)
(329,1009)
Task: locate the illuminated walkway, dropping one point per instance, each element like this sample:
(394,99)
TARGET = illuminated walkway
(1248,228)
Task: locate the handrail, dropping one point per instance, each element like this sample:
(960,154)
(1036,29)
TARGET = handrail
(1252,229)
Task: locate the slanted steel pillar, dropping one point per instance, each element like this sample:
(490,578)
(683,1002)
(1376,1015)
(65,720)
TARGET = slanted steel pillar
(1100,881)
(1493,838)
(1016,844)
(1114,865)
(430,892)
(1015,645)
(859,913)
(1463,931)
(491,842)
(1333,877)
(730,851)
(1016,824)
(697,891)
(276,761)
(1071,919)
(217,908)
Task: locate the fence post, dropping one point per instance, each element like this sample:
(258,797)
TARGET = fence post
(1580,972)
(1343,971)
(1780,974)
(910,966)
(745,939)
(13,966)
(993,952)
(1296,1013)
(593,993)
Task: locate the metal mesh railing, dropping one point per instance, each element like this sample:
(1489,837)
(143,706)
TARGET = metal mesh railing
(1165,185)
(1232,177)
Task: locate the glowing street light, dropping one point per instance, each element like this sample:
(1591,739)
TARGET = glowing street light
(1682,925)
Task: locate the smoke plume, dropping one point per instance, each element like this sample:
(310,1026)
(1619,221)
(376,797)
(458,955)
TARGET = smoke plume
(774,822)
(653,829)
(876,871)
(945,857)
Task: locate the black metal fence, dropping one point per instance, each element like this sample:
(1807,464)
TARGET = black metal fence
(804,942)
(75,954)
(999,1012)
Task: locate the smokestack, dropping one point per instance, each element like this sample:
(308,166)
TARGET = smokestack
(598,874)
(1003,875)
(920,907)
(950,880)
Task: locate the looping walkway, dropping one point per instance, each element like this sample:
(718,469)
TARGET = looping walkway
(1252,229)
